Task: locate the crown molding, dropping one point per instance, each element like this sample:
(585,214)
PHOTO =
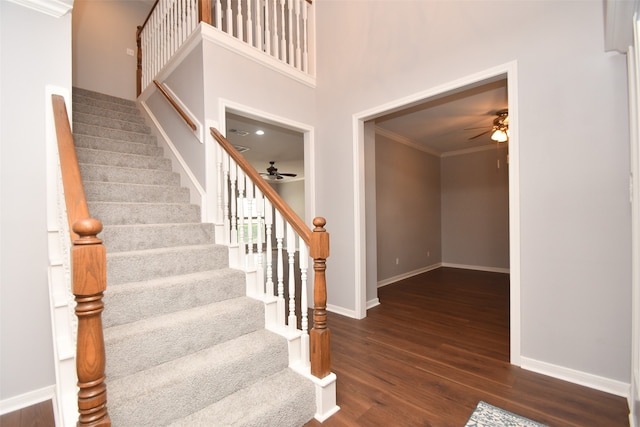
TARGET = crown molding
(55,8)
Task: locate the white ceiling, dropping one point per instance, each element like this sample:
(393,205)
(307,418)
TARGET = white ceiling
(438,125)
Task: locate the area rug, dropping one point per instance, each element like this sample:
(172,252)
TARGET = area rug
(486,415)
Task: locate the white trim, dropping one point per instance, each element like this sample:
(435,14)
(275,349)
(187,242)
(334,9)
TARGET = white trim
(184,167)
(407,275)
(596,382)
(341,310)
(234,45)
(373,303)
(55,8)
(27,399)
(472,150)
(510,70)
(477,267)
(406,141)
(411,143)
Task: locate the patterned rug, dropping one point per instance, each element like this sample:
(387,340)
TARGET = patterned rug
(486,415)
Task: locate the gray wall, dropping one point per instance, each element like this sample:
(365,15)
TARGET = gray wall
(36,51)
(573,140)
(293,194)
(408,208)
(475,209)
(102,33)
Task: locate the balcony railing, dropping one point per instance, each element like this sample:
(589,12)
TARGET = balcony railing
(279,28)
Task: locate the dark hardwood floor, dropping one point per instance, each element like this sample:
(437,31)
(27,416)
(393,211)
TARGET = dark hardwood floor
(438,344)
(38,415)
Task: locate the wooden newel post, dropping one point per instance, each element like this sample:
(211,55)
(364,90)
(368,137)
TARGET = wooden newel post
(320,334)
(89,273)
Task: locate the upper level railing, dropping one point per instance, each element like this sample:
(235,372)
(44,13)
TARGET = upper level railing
(89,278)
(255,219)
(279,28)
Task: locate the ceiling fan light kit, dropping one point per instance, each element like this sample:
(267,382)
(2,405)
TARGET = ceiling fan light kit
(272,172)
(500,129)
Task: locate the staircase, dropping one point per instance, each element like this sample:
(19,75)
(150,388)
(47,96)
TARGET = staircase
(184,345)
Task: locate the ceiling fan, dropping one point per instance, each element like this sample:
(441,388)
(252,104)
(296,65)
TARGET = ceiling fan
(499,130)
(272,172)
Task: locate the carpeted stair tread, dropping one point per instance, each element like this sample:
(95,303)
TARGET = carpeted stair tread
(109,123)
(101,157)
(106,173)
(133,115)
(121,135)
(112,145)
(134,193)
(138,300)
(101,97)
(136,237)
(136,346)
(175,389)
(135,266)
(144,213)
(284,399)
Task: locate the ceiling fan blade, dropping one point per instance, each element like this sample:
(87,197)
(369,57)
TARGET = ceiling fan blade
(288,174)
(480,127)
(480,134)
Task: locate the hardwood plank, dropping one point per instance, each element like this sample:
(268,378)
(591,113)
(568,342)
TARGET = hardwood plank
(38,415)
(439,343)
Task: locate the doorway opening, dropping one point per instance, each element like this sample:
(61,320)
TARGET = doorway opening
(452,162)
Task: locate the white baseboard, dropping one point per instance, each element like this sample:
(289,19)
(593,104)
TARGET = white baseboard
(596,382)
(476,267)
(403,276)
(342,311)
(25,400)
(373,303)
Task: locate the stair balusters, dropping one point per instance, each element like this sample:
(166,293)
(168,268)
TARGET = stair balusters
(282,228)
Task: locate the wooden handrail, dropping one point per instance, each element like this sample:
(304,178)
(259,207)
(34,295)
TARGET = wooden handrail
(175,106)
(89,279)
(318,242)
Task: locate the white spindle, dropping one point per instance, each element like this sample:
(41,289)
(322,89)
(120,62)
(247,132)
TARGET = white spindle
(283,37)
(220,178)
(239,22)
(290,58)
(305,50)
(280,267)
(250,22)
(298,4)
(226,182)
(267,28)
(275,44)
(291,251)
(218,12)
(242,224)
(259,34)
(251,207)
(233,177)
(304,306)
(268,225)
(229,19)
(260,241)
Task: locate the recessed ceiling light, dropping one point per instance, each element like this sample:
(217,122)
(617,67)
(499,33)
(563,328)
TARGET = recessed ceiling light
(259,132)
